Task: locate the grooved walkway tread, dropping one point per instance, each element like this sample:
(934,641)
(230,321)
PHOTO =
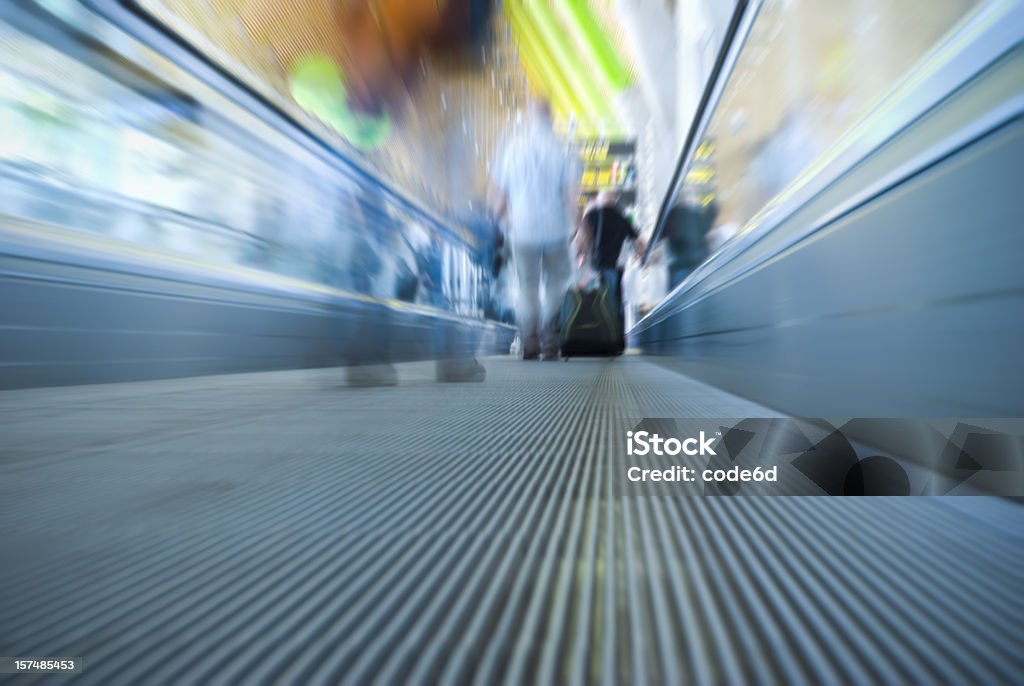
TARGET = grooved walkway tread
(283,528)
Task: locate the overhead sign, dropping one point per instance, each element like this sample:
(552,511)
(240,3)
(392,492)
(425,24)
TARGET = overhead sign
(598,150)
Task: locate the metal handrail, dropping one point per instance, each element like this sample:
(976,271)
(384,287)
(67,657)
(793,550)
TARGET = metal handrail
(44,177)
(736,33)
(987,35)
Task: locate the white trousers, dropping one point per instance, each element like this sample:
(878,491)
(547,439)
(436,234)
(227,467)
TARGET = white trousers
(543,272)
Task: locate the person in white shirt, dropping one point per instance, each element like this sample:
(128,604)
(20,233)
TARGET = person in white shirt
(537,182)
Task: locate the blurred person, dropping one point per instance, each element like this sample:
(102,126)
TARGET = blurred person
(370,355)
(537,182)
(594,313)
(459,363)
(365,264)
(491,256)
(606,231)
(502,282)
(686,226)
(410,267)
(431,265)
(406,274)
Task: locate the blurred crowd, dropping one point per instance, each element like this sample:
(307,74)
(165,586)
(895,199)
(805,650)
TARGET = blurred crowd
(141,159)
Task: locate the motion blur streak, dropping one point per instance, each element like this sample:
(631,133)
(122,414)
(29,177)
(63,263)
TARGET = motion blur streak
(226,226)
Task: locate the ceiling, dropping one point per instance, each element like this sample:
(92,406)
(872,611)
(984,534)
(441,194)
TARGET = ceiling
(445,128)
(572,55)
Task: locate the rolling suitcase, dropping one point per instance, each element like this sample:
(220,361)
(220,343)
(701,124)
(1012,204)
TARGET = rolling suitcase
(591,318)
(591,322)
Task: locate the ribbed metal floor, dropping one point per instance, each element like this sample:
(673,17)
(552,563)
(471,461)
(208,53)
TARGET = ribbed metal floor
(281,528)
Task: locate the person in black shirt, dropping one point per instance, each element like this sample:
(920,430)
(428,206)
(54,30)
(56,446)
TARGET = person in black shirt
(686,228)
(606,230)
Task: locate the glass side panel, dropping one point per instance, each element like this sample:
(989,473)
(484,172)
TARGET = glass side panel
(809,71)
(143,154)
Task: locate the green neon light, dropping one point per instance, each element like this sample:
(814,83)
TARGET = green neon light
(569,62)
(599,44)
(537,70)
(534,49)
(318,86)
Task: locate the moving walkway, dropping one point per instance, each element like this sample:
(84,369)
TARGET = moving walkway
(189,492)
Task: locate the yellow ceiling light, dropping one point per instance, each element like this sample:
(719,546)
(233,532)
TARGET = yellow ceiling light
(538,62)
(542,80)
(576,73)
(593,39)
(557,67)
